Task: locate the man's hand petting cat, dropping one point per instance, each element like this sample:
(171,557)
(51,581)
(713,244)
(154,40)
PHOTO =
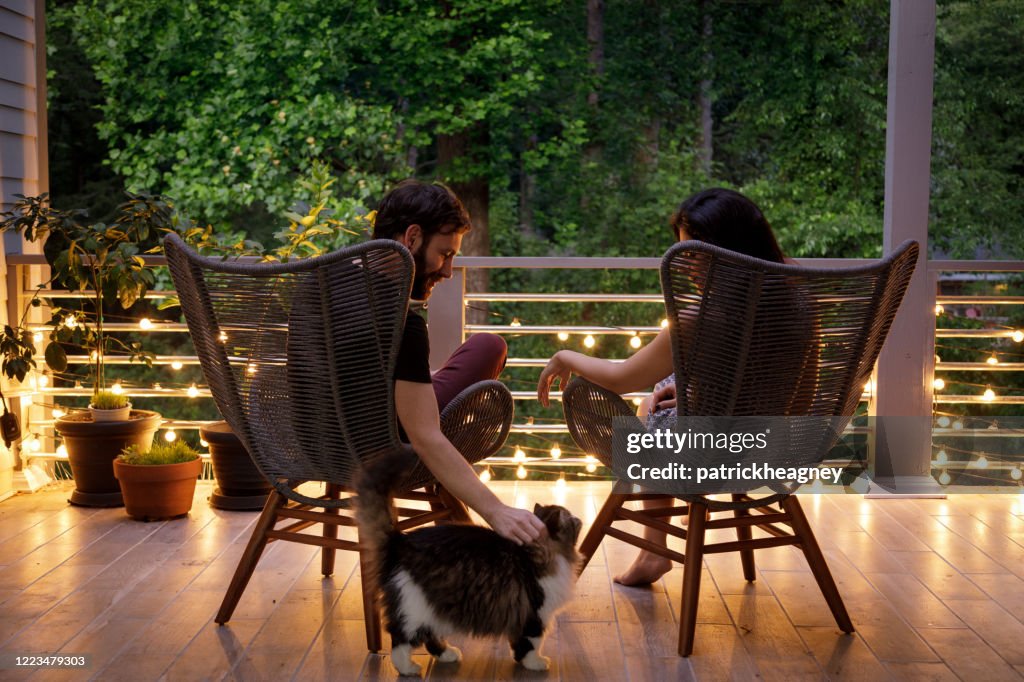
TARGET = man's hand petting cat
(518,525)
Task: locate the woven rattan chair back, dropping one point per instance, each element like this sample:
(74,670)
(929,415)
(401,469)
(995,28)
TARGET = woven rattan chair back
(300,356)
(752,337)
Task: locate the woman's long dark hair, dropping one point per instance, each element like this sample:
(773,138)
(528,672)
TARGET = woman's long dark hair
(727,219)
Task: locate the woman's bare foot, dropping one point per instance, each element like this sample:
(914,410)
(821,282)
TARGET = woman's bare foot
(646,569)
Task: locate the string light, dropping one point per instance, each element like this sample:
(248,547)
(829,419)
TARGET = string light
(170,436)
(635,341)
(222,337)
(938,384)
(944,421)
(116,389)
(62,450)
(560,483)
(958,425)
(156,386)
(563,336)
(664,322)
(58,413)
(521,472)
(637,401)
(591,464)
(250,369)
(981,462)
(992,360)
(203,443)
(37,337)
(989,395)
(1015,473)
(485,475)
(519,455)
(34,445)
(94,356)
(515,322)
(556,452)
(145,324)
(193,392)
(43,380)
(176,364)
(588,341)
(941,457)
(70,321)
(939,309)
(944,479)
(1017,335)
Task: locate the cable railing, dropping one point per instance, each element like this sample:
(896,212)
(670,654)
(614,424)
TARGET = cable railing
(539,440)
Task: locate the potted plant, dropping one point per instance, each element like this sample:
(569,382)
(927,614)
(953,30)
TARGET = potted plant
(158,483)
(240,485)
(102,261)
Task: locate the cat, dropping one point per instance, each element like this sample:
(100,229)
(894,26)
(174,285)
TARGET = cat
(463,578)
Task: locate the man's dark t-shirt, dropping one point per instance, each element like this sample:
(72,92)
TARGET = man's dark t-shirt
(413,362)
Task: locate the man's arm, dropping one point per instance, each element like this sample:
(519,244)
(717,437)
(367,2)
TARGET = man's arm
(416,406)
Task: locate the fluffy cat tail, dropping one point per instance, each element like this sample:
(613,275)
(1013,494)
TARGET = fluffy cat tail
(374,485)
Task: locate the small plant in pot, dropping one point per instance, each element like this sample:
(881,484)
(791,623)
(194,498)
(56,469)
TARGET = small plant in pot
(158,483)
(102,262)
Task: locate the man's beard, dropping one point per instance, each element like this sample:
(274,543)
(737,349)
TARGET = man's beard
(423,281)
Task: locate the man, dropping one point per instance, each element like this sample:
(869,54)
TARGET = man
(430,221)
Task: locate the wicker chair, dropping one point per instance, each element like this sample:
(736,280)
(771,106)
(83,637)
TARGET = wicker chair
(300,357)
(750,337)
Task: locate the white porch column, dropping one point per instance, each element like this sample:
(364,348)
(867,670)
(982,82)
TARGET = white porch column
(906,365)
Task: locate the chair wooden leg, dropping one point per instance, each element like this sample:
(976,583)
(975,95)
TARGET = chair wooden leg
(600,526)
(253,551)
(745,533)
(371,610)
(695,526)
(458,510)
(816,560)
(330,531)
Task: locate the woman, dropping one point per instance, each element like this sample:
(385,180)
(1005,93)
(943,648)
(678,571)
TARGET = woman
(718,216)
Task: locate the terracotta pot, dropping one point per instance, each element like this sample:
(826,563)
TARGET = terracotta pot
(158,491)
(92,447)
(240,485)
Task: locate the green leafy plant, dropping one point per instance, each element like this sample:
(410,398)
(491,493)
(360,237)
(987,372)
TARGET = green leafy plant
(108,400)
(99,260)
(161,453)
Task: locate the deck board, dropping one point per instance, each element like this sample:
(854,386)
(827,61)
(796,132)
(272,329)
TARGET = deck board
(934,587)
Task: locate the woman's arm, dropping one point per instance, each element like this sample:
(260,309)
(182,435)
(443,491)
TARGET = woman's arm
(644,368)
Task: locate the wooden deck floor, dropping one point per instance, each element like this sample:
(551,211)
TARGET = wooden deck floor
(934,588)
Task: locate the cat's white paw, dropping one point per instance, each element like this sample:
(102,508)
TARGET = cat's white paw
(450,655)
(534,661)
(401,658)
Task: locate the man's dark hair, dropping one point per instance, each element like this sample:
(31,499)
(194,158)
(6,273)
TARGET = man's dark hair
(433,207)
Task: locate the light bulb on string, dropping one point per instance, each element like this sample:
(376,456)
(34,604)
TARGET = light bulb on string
(58,412)
(203,443)
(591,464)
(560,483)
(635,342)
(958,425)
(939,309)
(145,324)
(70,321)
(521,472)
(222,337)
(43,381)
(944,421)
(1015,473)
(485,475)
(664,322)
(989,395)
(170,436)
(193,391)
(515,322)
(519,455)
(176,364)
(992,360)
(117,389)
(556,452)
(938,384)
(981,462)
(588,341)
(34,444)
(37,337)
(563,336)
(1017,335)
(637,401)
(944,478)
(941,457)
(62,450)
